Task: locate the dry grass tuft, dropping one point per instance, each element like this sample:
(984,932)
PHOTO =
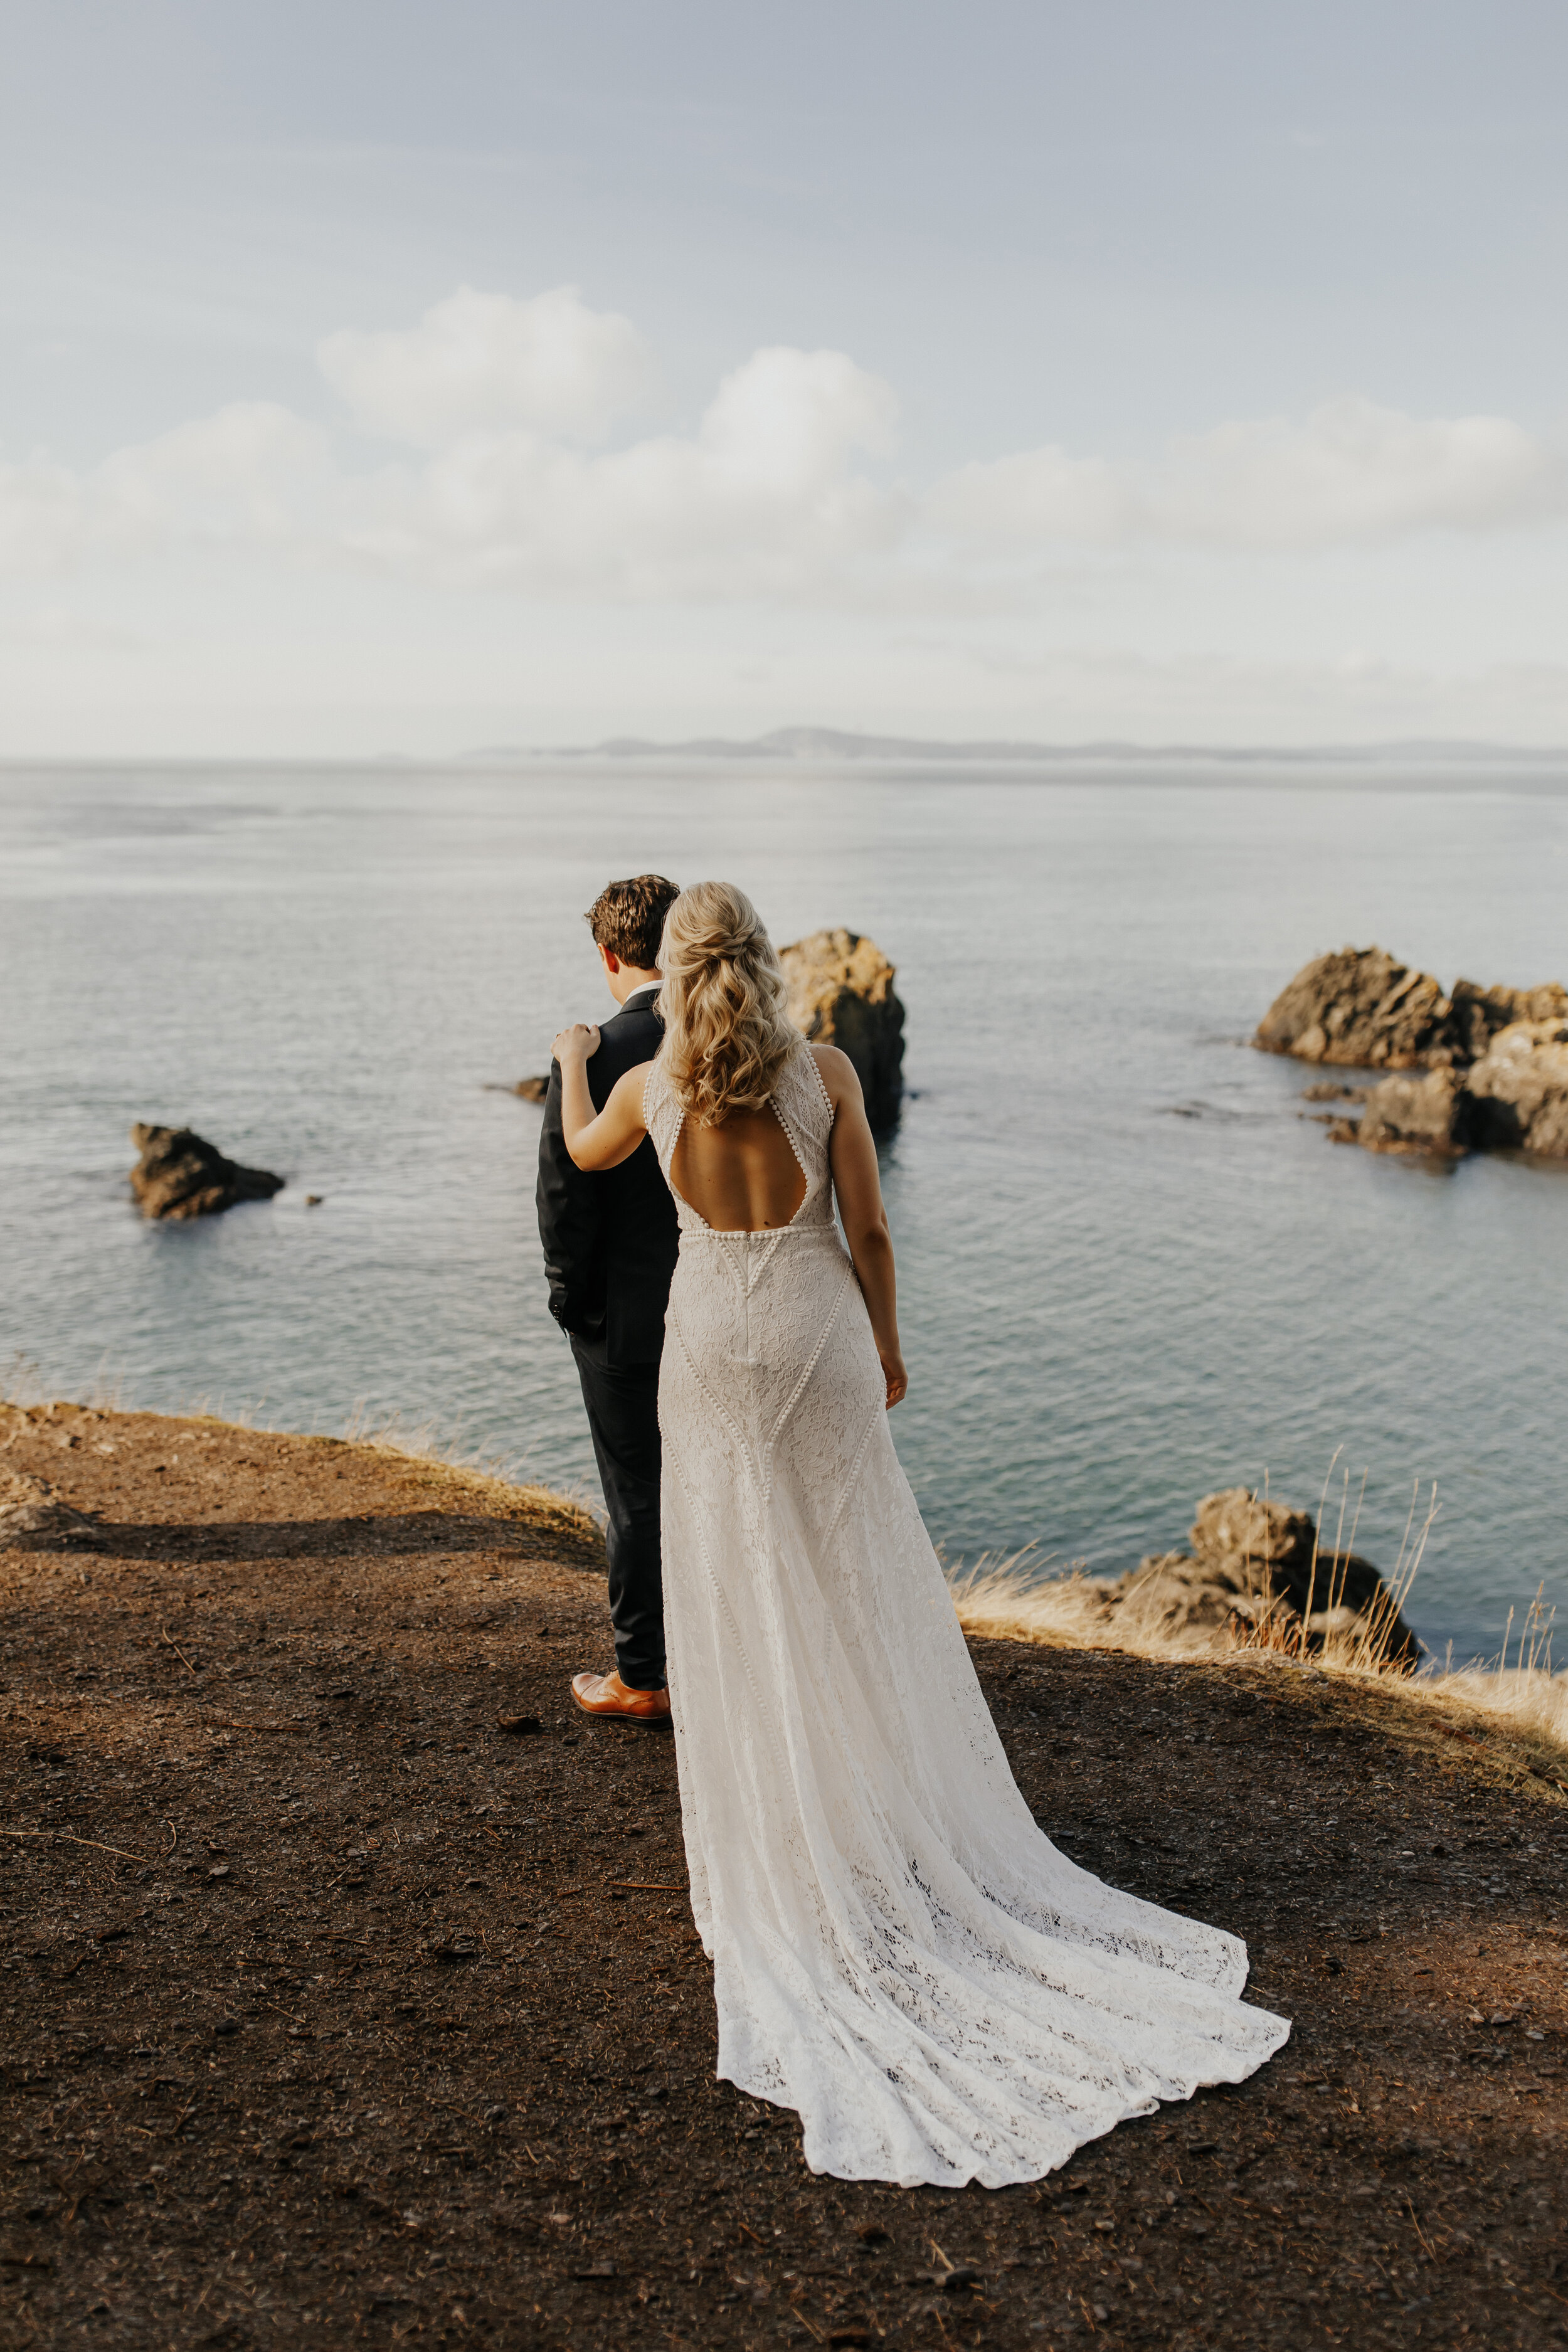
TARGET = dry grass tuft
(1010,1599)
(1527,1695)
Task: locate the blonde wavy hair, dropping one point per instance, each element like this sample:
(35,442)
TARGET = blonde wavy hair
(726,1036)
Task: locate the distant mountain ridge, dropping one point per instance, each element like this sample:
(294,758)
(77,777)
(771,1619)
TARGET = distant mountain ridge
(805,745)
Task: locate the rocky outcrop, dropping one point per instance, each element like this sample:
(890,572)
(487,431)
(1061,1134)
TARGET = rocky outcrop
(1496,1058)
(179,1175)
(1257,1572)
(841,994)
(1363,1009)
(1431,1115)
(31,1509)
(1518,1091)
(1480,1014)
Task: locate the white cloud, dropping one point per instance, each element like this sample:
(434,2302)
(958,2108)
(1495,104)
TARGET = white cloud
(1356,471)
(483,362)
(1036,495)
(252,474)
(774,495)
(764,499)
(1352,472)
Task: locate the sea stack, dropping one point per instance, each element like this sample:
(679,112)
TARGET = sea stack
(179,1175)
(841,994)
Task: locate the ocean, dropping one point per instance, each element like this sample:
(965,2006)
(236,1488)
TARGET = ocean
(1132,1267)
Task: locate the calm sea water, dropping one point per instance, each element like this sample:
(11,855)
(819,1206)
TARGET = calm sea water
(1130,1269)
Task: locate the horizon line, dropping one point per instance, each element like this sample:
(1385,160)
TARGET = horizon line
(806,746)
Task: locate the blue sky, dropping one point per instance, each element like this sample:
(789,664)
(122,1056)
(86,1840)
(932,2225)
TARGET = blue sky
(1161,373)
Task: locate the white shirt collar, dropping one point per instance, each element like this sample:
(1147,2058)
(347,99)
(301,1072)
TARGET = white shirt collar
(641,996)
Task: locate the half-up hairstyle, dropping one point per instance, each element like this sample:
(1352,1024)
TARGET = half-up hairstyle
(726,1036)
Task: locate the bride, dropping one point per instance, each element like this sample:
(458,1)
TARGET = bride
(899,1953)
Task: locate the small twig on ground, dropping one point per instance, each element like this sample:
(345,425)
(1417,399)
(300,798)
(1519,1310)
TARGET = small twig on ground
(1425,2241)
(97,1844)
(169,1643)
(637,1887)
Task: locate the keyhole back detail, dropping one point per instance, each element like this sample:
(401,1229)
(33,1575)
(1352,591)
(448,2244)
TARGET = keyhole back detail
(749,1164)
(803,1115)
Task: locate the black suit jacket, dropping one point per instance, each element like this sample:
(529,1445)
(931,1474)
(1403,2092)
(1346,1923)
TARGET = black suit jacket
(610,1237)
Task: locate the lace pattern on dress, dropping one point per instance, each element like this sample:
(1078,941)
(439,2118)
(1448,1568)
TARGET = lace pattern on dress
(900,1952)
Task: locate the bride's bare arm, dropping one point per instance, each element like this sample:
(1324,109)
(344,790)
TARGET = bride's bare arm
(859,1189)
(604,1138)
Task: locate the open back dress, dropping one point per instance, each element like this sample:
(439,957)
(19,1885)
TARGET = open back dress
(900,1953)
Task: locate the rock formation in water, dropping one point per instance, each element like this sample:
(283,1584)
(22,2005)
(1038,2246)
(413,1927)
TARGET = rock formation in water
(1363,1009)
(1256,1567)
(841,994)
(179,1175)
(1496,1059)
(1519,1090)
(1515,1099)
(1430,1114)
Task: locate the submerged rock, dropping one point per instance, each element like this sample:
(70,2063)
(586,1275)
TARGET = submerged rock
(1257,1567)
(841,994)
(179,1175)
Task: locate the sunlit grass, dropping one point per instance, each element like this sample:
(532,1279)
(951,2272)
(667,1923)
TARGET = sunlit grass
(1010,1599)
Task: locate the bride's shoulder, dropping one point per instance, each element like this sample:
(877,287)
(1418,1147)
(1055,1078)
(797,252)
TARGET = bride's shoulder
(636,1085)
(837,1073)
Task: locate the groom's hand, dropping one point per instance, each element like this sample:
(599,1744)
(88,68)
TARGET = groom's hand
(579,1043)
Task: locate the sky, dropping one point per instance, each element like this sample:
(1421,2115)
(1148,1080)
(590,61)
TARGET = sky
(401,379)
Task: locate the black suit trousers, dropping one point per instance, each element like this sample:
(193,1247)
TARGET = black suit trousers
(622,1415)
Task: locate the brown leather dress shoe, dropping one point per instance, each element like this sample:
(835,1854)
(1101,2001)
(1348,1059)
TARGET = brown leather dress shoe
(613,1701)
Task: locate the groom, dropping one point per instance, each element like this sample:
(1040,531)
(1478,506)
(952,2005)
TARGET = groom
(610,1243)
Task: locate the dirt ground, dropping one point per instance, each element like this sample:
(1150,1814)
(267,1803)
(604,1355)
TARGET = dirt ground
(335,2014)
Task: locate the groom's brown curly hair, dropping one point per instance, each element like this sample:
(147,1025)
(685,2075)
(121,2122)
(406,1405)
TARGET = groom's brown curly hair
(627,917)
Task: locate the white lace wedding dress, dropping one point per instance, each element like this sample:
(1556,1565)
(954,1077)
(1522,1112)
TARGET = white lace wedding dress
(899,1953)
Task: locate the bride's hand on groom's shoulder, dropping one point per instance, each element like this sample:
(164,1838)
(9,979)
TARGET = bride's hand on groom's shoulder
(580,1041)
(897,1377)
